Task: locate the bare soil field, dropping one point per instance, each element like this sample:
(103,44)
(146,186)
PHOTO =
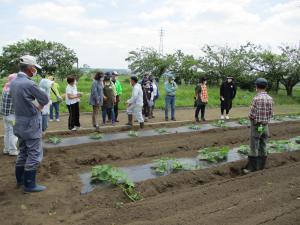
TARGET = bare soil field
(219,195)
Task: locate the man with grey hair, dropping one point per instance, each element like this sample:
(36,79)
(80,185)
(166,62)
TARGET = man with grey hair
(28,100)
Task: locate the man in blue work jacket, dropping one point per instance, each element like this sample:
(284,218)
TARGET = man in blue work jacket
(28,100)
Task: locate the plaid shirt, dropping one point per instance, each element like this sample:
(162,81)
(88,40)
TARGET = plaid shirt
(204,95)
(261,110)
(6,105)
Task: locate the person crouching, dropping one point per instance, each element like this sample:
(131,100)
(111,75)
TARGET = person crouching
(261,112)
(135,103)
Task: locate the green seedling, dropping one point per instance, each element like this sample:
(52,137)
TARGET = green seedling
(244,122)
(96,136)
(297,140)
(162,130)
(166,164)
(54,140)
(213,154)
(195,127)
(278,146)
(113,175)
(244,149)
(133,133)
(220,123)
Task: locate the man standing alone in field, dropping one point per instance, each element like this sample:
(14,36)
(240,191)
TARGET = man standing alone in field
(28,101)
(261,112)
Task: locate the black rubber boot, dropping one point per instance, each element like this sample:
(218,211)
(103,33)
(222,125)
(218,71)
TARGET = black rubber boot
(19,175)
(142,125)
(251,165)
(262,162)
(130,118)
(30,184)
(197,120)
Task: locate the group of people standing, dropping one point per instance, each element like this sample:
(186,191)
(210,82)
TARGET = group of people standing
(25,106)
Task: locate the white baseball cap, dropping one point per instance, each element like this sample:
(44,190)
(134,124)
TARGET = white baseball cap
(29,60)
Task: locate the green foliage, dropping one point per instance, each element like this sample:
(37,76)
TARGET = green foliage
(162,130)
(245,122)
(297,140)
(96,136)
(163,165)
(55,58)
(133,133)
(213,154)
(195,127)
(54,140)
(220,123)
(108,173)
(244,149)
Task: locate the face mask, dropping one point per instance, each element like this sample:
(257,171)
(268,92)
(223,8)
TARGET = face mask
(35,72)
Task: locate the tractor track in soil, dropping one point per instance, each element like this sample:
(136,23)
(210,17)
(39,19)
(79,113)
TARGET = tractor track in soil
(219,195)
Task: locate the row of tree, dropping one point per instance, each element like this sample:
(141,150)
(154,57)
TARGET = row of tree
(55,58)
(245,64)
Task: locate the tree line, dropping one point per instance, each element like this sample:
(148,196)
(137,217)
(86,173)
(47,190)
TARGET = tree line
(245,64)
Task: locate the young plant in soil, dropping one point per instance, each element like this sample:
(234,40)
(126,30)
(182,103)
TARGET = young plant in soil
(220,123)
(244,122)
(297,140)
(163,165)
(54,140)
(96,136)
(278,146)
(213,154)
(195,127)
(162,130)
(133,133)
(113,175)
(244,149)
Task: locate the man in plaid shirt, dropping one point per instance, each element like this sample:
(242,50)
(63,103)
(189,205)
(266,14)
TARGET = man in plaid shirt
(7,110)
(261,112)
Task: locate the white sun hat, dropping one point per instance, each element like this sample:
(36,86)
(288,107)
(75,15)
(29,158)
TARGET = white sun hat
(29,60)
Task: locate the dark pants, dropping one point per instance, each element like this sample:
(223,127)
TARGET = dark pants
(73,116)
(226,105)
(108,110)
(54,105)
(31,154)
(146,109)
(258,141)
(116,109)
(200,107)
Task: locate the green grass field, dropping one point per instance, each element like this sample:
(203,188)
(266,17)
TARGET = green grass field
(184,96)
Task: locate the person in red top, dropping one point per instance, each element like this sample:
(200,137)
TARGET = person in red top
(261,112)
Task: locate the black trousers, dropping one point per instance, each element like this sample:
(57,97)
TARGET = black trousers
(226,105)
(200,107)
(73,116)
(116,109)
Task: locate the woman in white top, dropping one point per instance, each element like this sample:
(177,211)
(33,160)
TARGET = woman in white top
(72,101)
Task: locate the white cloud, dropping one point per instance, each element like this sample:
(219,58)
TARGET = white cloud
(159,13)
(63,13)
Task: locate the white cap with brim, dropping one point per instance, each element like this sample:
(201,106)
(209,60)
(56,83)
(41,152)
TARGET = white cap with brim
(29,60)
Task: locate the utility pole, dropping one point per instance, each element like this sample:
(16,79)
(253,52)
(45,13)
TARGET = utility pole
(161,41)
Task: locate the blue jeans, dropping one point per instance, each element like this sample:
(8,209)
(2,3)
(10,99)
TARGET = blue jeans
(44,122)
(170,101)
(54,105)
(105,111)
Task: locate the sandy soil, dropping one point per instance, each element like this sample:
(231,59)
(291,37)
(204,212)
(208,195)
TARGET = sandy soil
(218,195)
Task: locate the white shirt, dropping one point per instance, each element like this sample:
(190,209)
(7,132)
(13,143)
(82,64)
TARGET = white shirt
(45,85)
(73,91)
(154,92)
(136,96)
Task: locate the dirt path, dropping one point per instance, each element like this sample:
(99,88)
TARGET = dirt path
(215,196)
(182,114)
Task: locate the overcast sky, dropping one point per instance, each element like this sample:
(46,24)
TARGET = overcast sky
(102,32)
